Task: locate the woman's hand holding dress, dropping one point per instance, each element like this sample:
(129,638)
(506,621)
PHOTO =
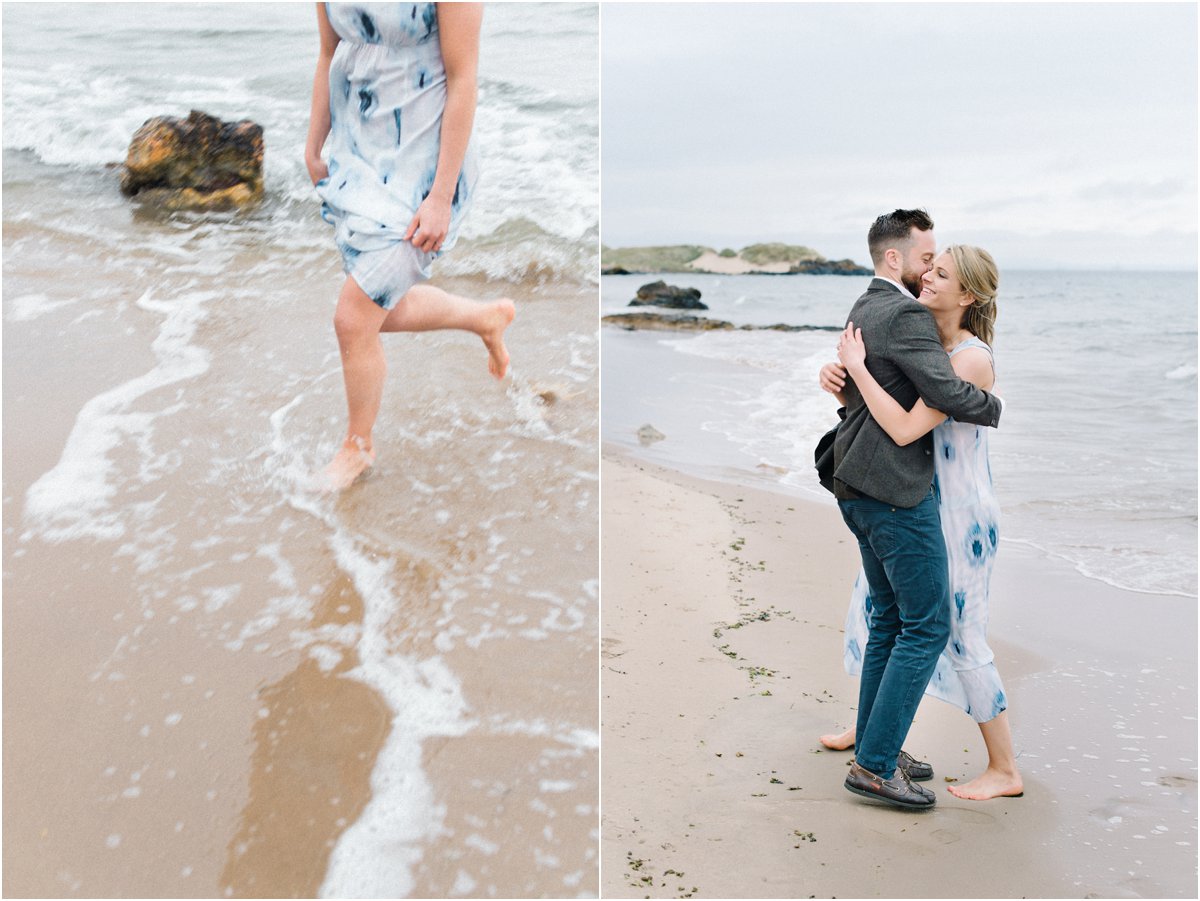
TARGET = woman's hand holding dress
(317,169)
(429,226)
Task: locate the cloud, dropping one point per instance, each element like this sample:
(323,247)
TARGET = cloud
(775,122)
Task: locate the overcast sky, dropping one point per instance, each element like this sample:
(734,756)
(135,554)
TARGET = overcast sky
(1052,134)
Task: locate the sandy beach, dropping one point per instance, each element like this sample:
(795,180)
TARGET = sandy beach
(710,261)
(721,645)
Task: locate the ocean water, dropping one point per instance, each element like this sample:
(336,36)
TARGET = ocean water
(170,383)
(1095,457)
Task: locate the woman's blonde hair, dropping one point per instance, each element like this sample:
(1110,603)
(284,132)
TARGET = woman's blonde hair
(979,278)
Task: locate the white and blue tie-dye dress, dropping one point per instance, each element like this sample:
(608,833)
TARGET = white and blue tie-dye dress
(966,674)
(387,92)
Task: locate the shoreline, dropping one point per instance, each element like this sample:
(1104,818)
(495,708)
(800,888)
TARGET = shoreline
(206,666)
(746,402)
(721,640)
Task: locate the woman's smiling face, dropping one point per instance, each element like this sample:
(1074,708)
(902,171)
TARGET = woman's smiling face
(940,288)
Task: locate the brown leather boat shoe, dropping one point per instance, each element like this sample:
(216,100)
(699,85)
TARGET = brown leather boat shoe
(897,791)
(915,770)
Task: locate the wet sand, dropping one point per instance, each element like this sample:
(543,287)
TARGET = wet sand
(216,684)
(721,646)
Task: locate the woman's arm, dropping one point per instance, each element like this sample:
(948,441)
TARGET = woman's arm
(318,120)
(906,426)
(458,28)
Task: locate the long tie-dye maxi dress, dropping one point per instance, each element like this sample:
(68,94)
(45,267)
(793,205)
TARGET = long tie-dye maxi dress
(387,92)
(966,675)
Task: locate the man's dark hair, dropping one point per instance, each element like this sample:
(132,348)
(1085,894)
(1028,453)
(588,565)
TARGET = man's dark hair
(894,229)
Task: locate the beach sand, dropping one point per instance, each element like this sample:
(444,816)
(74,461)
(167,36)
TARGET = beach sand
(218,684)
(710,261)
(721,664)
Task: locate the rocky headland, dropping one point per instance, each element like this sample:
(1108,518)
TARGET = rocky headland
(754,259)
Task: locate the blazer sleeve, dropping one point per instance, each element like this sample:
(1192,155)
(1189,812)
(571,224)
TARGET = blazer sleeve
(915,348)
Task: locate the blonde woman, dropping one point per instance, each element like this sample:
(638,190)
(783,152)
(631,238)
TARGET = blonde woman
(960,291)
(391,155)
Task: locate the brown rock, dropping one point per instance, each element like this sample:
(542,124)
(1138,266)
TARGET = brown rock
(660,294)
(197,162)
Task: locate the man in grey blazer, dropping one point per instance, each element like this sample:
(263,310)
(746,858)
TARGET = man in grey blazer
(886,498)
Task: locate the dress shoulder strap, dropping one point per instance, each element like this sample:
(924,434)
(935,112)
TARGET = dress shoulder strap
(972,341)
(975,341)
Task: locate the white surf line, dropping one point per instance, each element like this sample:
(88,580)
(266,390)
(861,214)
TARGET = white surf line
(72,500)
(574,736)
(375,856)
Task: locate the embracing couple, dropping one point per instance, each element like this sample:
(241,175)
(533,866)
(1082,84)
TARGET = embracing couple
(914,486)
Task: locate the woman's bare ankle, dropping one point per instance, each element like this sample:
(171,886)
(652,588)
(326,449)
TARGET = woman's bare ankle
(363,445)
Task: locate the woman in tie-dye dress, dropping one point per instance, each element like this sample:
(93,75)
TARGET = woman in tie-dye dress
(960,291)
(393,106)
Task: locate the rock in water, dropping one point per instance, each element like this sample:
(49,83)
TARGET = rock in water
(195,163)
(648,434)
(660,294)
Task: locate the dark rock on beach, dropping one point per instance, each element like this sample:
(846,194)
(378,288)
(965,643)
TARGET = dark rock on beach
(660,294)
(199,162)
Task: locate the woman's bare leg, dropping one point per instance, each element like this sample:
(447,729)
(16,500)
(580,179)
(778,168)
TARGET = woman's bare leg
(426,308)
(357,323)
(1001,778)
(839,741)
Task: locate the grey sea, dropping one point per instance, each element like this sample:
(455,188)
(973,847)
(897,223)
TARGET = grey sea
(217,683)
(1095,458)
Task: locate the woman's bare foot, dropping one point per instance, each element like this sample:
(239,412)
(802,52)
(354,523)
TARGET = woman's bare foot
(497,318)
(838,741)
(989,784)
(348,464)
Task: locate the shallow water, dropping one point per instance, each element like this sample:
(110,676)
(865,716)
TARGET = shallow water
(1094,459)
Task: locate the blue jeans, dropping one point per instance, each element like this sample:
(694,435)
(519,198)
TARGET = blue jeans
(904,556)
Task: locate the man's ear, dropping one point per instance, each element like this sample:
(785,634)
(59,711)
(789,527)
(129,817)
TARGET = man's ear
(892,257)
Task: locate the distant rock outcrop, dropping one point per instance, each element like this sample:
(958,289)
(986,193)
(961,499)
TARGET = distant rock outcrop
(754,259)
(628,260)
(195,163)
(830,267)
(776,252)
(633,321)
(685,322)
(660,294)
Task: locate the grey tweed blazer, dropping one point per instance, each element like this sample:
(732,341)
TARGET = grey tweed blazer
(906,357)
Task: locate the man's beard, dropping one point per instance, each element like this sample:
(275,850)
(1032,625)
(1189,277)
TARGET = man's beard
(912,281)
